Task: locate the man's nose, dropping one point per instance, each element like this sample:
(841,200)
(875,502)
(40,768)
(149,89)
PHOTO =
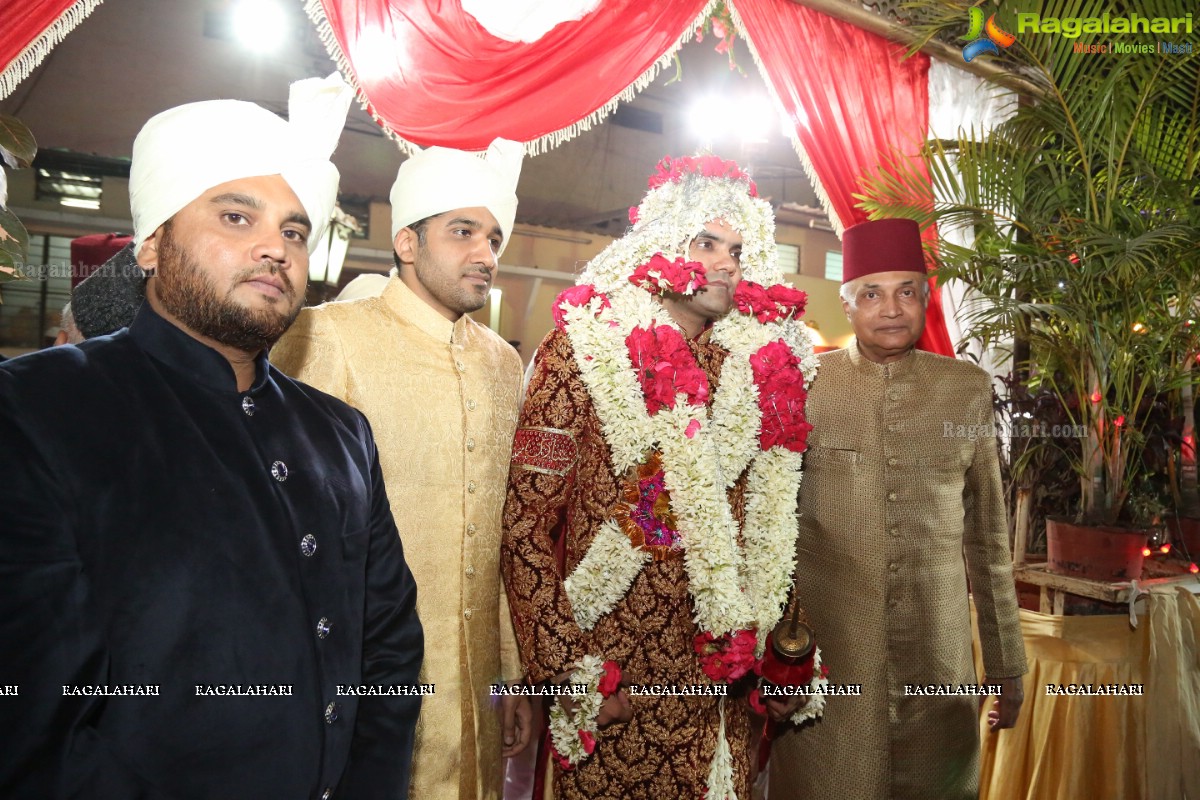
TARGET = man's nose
(891,306)
(485,254)
(725,262)
(270,246)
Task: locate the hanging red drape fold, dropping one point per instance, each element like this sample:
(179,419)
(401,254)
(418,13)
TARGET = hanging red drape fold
(854,100)
(434,75)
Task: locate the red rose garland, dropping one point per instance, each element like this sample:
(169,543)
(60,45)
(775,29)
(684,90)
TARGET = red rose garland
(673,170)
(728,657)
(579,295)
(659,276)
(769,304)
(781,397)
(665,367)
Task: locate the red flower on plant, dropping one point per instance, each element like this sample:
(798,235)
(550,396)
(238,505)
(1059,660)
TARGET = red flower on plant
(768,304)
(781,397)
(727,657)
(658,275)
(665,367)
(673,170)
(611,678)
(579,295)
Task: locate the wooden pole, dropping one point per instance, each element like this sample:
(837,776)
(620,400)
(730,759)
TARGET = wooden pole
(1021,517)
(860,17)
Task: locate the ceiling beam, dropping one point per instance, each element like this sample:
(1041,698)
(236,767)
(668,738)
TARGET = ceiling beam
(853,13)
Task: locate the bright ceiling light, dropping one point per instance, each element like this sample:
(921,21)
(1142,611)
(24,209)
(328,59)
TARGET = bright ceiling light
(260,25)
(378,55)
(747,119)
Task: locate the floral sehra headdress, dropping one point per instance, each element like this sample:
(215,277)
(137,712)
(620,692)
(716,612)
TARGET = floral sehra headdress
(685,193)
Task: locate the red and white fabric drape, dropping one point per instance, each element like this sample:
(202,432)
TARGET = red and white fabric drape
(29,29)
(431,73)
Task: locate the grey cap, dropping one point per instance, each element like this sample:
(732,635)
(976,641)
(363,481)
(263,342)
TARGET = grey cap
(108,299)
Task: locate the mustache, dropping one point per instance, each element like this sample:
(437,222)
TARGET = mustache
(274,271)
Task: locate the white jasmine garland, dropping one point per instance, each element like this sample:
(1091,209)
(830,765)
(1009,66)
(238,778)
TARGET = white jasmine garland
(603,576)
(816,702)
(720,770)
(733,586)
(565,728)
(769,531)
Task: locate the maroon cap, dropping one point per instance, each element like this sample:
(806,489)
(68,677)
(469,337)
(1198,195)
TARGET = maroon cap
(882,245)
(89,252)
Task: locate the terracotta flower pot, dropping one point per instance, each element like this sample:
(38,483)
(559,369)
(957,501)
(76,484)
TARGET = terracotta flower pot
(1099,553)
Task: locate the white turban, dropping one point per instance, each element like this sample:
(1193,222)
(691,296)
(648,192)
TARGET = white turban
(439,179)
(183,152)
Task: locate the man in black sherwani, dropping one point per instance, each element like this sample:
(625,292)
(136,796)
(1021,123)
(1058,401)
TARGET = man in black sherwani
(202,591)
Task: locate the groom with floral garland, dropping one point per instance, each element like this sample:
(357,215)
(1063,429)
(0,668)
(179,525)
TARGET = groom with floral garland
(650,524)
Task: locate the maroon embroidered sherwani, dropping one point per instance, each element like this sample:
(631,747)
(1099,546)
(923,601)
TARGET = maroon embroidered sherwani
(561,488)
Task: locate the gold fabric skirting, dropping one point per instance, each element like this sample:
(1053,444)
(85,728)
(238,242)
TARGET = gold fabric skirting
(1120,747)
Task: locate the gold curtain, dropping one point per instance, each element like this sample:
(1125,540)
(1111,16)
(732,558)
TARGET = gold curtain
(1112,747)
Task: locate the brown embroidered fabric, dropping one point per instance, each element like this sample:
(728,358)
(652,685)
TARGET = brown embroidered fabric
(666,750)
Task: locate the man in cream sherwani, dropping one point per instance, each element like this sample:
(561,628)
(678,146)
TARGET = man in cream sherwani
(441,392)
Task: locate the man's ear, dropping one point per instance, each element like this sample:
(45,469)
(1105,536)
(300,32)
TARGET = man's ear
(147,257)
(405,245)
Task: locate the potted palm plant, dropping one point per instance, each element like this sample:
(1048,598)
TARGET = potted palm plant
(1085,211)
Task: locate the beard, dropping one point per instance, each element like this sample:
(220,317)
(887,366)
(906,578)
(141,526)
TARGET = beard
(188,293)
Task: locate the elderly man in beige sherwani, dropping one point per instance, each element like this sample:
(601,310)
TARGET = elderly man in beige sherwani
(441,392)
(896,515)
